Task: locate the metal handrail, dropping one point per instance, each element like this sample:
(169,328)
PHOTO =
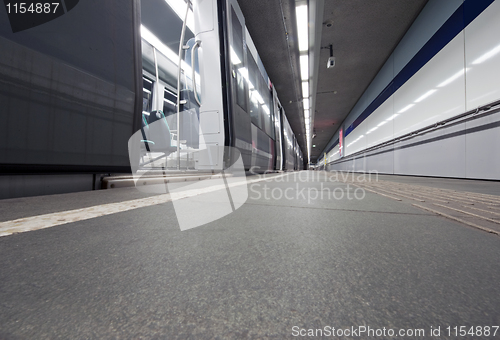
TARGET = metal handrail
(193,70)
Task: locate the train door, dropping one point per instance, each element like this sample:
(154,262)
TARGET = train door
(173,88)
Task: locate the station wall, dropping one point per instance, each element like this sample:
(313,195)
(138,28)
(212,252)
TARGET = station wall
(460,77)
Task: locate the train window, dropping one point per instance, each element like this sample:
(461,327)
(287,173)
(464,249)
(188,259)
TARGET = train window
(253,89)
(260,98)
(167,69)
(266,114)
(147,94)
(148,59)
(169,103)
(238,60)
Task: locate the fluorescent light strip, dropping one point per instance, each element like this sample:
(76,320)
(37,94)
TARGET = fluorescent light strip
(179,7)
(305,89)
(304,67)
(167,52)
(302,27)
(169,101)
(153,40)
(306,103)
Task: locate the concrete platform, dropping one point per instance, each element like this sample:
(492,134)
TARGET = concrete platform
(274,267)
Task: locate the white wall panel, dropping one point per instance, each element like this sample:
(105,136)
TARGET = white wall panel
(381,160)
(434,93)
(482,53)
(359,164)
(333,155)
(483,147)
(437,153)
(355,141)
(379,125)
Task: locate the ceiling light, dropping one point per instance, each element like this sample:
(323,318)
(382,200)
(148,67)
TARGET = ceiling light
(302,29)
(304,67)
(306,103)
(305,89)
(179,7)
(158,44)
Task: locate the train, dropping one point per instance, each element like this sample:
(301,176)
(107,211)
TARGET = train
(219,100)
(75,88)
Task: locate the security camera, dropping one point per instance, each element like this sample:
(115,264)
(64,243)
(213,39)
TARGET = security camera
(331,62)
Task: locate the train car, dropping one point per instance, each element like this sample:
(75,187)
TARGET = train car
(73,91)
(69,93)
(225,99)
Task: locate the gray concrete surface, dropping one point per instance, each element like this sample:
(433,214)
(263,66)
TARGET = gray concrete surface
(254,274)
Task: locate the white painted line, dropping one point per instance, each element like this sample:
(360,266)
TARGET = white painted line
(70,216)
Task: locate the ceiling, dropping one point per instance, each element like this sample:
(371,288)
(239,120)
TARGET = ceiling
(363,35)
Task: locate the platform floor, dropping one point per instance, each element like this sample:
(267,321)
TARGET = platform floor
(274,268)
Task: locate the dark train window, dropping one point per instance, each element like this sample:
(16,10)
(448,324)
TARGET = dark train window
(238,60)
(266,108)
(253,91)
(270,129)
(147,94)
(169,103)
